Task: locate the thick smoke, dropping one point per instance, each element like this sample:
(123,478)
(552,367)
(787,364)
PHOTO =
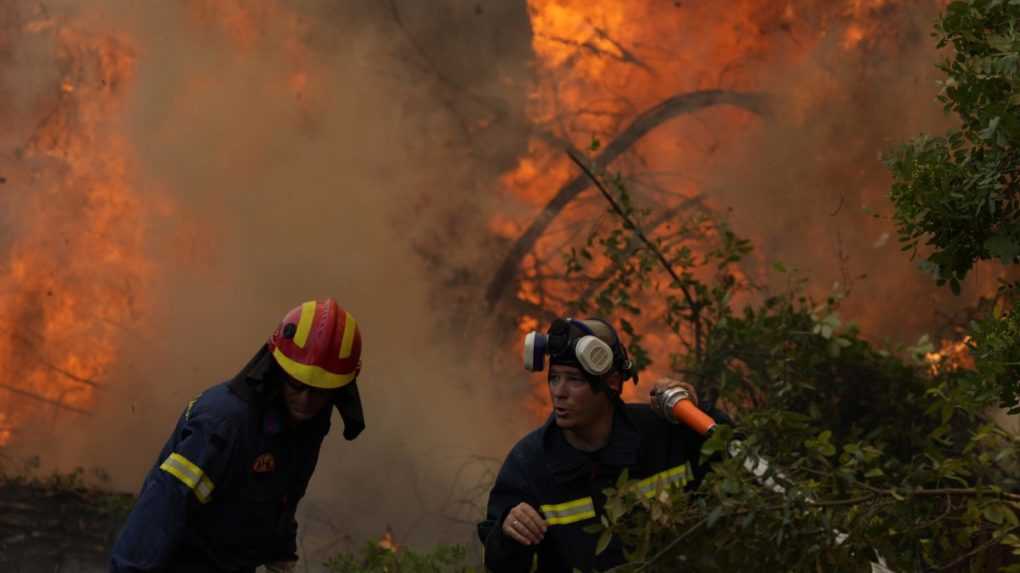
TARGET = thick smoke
(284,151)
(807,182)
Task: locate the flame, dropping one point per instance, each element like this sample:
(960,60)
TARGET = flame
(73,276)
(600,63)
(387,543)
(952,355)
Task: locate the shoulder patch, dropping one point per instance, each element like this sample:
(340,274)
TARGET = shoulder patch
(264,464)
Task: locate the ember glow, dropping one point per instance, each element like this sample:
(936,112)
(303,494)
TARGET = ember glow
(951,355)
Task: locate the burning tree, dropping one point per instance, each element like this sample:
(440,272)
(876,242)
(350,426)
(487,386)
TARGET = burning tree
(878,457)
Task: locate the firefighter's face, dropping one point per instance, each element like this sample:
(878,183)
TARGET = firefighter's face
(574,402)
(304,402)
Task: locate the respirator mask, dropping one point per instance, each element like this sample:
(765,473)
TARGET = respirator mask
(573,342)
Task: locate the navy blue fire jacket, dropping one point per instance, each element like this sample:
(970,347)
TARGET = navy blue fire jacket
(223,492)
(565,485)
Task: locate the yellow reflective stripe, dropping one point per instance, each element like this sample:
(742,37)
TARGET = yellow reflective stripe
(175,471)
(310,374)
(649,486)
(189,474)
(346,344)
(204,489)
(588,514)
(569,512)
(304,325)
(568,504)
(181,467)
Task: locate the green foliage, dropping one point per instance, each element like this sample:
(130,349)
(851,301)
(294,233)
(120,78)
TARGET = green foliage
(870,451)
(994,344)
(959,192)
(375,559)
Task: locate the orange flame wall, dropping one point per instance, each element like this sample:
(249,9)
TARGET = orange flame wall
(74,268)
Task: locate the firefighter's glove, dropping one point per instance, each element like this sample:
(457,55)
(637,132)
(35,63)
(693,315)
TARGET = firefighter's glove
(657,395)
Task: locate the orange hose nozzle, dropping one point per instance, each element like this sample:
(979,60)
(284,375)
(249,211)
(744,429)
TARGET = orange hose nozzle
(685,412)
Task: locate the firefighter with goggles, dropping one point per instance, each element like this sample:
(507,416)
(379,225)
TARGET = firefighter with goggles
(223,492)
(550,486)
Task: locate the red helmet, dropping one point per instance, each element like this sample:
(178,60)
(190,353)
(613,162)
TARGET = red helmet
(319,344)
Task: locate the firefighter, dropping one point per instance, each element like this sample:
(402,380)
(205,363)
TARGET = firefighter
(550,486)
(222,494)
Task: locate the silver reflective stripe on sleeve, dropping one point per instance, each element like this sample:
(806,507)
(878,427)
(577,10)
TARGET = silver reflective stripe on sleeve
(569,512)
(189,474)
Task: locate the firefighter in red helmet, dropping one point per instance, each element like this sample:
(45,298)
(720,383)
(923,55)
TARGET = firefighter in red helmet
(223,493)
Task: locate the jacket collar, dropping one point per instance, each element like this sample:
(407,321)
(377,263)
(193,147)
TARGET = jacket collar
(252,385)
(566,462)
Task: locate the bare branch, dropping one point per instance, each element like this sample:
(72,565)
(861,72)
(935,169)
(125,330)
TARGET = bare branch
(672,107)
(50,401)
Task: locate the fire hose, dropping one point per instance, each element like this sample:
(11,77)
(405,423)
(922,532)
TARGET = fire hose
(675,404)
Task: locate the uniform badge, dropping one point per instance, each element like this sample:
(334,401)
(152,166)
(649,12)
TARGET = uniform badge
(264,463)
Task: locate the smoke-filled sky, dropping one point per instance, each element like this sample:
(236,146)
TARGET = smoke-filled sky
(178,175)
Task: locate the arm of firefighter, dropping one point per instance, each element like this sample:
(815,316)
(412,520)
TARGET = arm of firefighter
(503,554)
(195,457)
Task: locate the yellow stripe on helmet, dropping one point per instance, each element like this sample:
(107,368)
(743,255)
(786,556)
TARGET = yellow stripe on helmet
(310,374)
(304,326)
(347,343)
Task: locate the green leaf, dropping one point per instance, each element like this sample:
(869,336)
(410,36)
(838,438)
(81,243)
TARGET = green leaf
(713,516)
(603,542)
(989,132)
(994,514)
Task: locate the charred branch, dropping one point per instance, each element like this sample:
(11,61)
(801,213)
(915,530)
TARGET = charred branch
(497,110)
(694,304)
(52,402)
(670,108)
(620,54)
(31,346)
(595,283)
